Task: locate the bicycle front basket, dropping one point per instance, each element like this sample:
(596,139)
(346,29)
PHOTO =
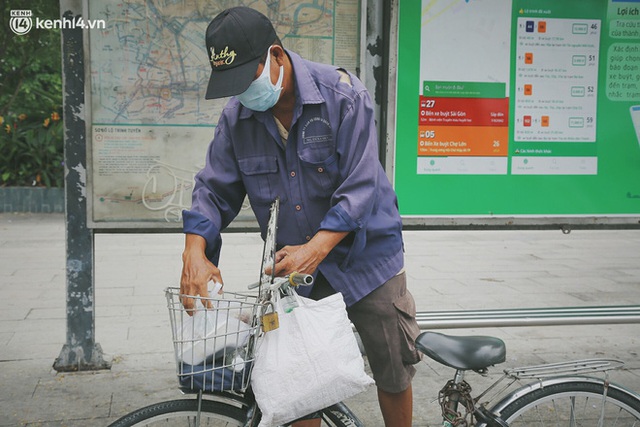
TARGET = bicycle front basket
(214,347)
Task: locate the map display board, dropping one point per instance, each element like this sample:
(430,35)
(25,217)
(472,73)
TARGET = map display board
(150,124)
(525,108)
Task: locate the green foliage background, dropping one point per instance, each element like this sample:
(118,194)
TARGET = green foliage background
(31,147)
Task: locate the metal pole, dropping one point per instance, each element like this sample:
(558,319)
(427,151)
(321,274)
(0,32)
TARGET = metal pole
(80,352)
(560,316)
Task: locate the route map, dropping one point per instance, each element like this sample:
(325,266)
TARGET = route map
(150,123)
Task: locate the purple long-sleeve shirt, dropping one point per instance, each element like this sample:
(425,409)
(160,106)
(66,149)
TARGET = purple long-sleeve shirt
(327,175)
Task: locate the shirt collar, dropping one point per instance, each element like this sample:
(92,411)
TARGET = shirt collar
(307,91)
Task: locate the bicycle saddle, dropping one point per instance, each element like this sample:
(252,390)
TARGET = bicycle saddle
(471,352)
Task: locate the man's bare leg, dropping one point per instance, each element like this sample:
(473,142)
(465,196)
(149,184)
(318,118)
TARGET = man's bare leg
(397,408)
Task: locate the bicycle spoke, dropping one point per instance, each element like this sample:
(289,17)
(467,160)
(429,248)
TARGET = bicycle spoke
(573,405)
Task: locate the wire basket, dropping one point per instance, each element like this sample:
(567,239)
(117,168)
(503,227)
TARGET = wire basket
(214,347)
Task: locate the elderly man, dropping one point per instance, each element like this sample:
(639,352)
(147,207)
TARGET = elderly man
(305,132)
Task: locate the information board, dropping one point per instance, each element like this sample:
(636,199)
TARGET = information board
(148,73)
(523,108)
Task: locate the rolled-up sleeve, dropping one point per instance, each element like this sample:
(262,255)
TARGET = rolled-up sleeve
(355,198)
(196,223)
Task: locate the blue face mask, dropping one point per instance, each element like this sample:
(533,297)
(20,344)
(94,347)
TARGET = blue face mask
(262,94)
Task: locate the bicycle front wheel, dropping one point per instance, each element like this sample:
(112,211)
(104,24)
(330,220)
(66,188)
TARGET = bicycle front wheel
(574,404)
(339,415)
(184,413)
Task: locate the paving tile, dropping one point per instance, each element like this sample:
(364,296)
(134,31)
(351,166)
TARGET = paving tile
(446,270)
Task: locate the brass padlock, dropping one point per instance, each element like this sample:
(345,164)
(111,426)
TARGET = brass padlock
(270,320)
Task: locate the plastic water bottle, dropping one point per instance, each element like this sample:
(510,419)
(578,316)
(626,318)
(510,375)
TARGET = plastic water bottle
(289,302)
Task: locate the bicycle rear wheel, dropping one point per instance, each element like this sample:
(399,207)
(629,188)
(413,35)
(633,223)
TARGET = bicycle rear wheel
(183,413)
(574,404)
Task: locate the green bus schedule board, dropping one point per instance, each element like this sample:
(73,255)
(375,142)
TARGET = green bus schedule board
(525,109)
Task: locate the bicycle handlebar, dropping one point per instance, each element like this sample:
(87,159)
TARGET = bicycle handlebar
(298,279)
(293,279)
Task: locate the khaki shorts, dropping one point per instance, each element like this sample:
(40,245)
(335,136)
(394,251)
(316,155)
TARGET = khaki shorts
(386,322)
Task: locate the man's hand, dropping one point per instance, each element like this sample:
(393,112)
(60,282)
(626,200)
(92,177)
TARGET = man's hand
(197,271)
(306,258)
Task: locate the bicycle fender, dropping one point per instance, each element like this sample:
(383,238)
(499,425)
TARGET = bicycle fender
(536,385)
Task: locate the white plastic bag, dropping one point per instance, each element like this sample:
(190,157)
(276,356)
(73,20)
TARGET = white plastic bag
(310,362)
(209,331)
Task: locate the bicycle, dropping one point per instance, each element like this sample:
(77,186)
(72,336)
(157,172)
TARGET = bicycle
(557,394)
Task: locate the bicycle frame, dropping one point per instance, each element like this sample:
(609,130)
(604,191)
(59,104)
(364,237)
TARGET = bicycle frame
(463,354)
(484,417)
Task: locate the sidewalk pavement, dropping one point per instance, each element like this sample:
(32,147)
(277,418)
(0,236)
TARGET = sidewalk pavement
(447,270)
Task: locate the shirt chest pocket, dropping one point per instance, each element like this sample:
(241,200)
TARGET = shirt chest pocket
(321,178)
(261,178)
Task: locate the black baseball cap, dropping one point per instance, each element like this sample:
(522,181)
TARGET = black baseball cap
(236,39)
